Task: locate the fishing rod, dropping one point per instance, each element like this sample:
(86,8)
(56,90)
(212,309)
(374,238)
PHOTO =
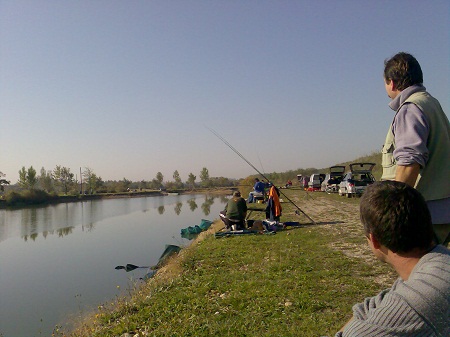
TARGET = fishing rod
(262,175)
(260,162)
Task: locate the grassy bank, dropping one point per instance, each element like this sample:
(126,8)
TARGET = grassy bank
(299,282)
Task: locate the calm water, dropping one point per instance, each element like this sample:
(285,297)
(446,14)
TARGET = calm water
(58,262)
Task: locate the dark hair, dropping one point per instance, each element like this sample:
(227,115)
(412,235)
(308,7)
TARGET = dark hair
(404,70)
(397,216)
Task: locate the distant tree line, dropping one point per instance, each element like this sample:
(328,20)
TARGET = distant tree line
(61,181)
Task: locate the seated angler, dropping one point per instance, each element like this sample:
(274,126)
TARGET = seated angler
(235,212)
(258,191)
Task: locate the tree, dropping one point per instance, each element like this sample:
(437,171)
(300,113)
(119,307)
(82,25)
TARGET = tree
(3,182)
(124,185)
(204,177)
(191,180)
(32,177)
(22,177)
(92,181)
(176,177)
(143,185)
(63,177)
(27,178)
(159,178)
(46,180)
(154,184)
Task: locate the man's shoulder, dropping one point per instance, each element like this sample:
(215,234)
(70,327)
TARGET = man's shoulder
(242,202)
(434,267)
(427,290)
(260,186)
(387,314)
(440,255)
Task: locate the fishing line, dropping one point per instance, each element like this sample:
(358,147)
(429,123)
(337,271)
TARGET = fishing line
(251,165)
(235,151)
(260,162)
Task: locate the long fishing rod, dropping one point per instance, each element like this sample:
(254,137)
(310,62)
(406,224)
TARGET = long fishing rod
(260,162)
(251,165)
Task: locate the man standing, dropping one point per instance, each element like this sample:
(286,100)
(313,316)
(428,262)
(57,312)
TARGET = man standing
(398,228)
(417,147)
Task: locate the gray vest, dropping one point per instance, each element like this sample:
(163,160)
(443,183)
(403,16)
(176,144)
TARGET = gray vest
(433,181)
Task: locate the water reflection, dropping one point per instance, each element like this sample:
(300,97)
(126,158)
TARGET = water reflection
(161,210)
(70,250)
(61,219)
(206,206)
(192,204)
(177,208)
(223,199)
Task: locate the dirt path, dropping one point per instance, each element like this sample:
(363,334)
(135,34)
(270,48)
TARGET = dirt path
(340,219)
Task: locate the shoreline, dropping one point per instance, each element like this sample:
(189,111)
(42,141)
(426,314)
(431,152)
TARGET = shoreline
(304,279)
(132,194)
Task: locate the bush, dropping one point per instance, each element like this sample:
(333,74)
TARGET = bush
(28,197)
(102,189)
(13,198)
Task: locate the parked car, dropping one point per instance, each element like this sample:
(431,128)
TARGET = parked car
(355,182)
(315,181)
(303,181)
(332,180)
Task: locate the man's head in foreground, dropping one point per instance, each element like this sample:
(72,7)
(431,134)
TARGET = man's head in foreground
(396,216)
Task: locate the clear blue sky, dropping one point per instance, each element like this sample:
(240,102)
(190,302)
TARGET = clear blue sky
(127,87)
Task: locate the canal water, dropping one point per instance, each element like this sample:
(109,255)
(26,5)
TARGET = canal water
(58,262)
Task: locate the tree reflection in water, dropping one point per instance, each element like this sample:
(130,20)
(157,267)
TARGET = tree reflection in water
(206,206)
(192,204)
(103,234)
(161,209)
(177,208)
(61,219)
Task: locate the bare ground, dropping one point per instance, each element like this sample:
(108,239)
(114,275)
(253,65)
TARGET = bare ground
(340,219)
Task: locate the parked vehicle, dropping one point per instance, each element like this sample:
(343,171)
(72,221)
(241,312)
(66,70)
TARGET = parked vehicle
(303,181)
(315,181)
(355,182)
(332,180)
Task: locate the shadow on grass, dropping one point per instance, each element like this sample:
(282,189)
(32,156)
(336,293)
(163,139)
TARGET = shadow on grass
(321,223)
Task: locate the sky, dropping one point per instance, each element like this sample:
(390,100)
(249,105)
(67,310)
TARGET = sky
(131,88)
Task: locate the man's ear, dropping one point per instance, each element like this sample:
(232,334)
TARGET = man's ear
(391,84)
(374,241)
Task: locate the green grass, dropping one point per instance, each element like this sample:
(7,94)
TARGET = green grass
(294,283)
